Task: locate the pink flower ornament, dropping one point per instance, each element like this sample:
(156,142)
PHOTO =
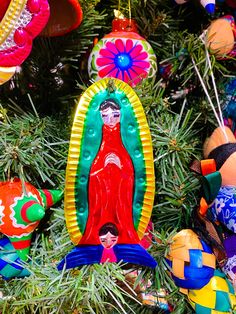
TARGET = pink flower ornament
(124,60)
(123,55)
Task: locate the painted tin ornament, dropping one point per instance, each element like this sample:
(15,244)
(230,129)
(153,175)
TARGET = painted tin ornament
(217,296)
(191,260)
(220,37)
(22,206)
(65,16)
(110,180)
(122,54)
(222,148)
(20,22)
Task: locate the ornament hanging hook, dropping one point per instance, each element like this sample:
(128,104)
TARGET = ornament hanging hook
(208,61)
(130,10)
(219,118)
(117,13)
(209,99)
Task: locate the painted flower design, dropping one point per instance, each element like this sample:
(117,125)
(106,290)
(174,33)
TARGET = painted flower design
(231,224)
(224,207)
(219,204)
(125,60)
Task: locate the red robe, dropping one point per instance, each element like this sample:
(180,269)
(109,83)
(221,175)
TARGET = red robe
(110,190)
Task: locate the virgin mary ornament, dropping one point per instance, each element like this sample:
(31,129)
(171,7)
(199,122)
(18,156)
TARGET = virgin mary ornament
(110,180)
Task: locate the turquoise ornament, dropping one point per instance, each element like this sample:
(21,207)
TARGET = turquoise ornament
(10,263)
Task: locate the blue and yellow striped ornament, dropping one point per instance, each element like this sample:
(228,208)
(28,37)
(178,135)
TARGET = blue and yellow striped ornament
(217,297)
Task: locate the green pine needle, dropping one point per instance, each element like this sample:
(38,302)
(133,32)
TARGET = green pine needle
(32,149)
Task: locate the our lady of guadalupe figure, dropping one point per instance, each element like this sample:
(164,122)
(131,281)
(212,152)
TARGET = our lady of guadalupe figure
(109,194)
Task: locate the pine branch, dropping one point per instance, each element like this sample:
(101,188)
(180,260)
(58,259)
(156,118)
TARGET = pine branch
(32,148)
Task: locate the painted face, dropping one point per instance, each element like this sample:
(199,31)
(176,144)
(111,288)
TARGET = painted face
(108,240)
(110,116)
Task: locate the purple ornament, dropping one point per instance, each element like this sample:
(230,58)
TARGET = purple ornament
(230,267)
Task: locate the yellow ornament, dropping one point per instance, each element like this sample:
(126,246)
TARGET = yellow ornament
(217,297)
(6,74)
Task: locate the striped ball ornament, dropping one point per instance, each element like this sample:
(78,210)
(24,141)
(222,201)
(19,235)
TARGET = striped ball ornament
(191,260)
(217,297)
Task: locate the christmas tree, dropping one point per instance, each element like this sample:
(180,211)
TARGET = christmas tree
(37,109)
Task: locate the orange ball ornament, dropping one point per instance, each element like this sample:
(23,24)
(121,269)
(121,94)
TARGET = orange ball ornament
(220,38)
(66,15)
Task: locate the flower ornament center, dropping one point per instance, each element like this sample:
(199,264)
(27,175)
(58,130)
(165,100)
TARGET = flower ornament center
(123,61)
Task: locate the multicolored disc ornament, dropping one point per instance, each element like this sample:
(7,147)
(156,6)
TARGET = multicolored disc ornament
(65,16)
(110,180)
(20,22)
(191,260)
(217,297)
(122,54)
